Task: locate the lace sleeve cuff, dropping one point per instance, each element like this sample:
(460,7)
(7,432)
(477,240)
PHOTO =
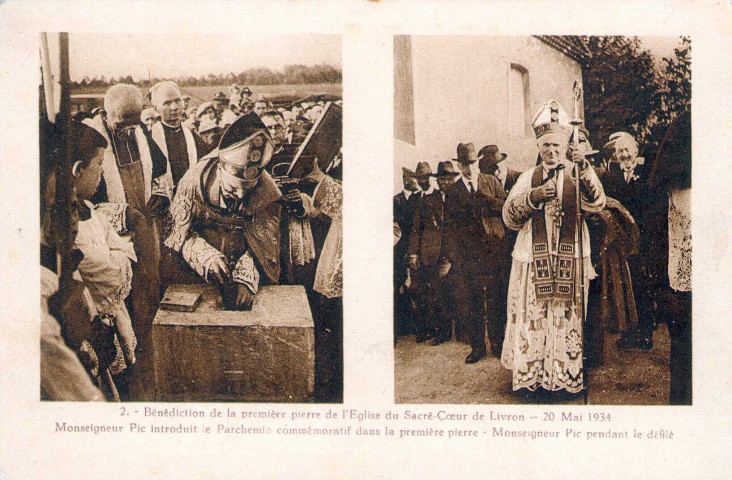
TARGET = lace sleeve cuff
(245,272)
(199,254)
(328,198)
(517,210)
(116,214)
(161,186)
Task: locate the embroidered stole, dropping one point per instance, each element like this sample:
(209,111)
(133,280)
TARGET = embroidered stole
(125,186)
(554,275)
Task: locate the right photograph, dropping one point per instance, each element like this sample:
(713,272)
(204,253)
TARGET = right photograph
(542,220)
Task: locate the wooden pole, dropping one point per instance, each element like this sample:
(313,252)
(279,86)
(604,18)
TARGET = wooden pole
(63,213)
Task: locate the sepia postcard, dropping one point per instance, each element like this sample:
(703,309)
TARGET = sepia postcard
(365,239)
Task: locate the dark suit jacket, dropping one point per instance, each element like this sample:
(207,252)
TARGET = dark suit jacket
(404,216)
(426,237)
(470,236)
(510,238)
(634,195)
(511,177)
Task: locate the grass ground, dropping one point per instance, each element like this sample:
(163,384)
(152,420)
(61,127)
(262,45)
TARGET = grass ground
(427,374)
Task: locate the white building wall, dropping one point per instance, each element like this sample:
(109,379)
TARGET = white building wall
(461,94)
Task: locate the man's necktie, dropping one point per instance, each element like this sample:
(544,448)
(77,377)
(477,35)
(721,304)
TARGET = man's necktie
(555,171)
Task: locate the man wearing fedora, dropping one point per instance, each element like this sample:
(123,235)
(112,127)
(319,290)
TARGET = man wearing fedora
(425,245)
(423,174)
(405,203)
(472,237)
(490,161)
(419,283)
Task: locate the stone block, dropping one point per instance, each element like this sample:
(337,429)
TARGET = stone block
(211,354)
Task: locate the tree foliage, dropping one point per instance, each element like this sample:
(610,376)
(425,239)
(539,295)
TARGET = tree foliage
(291,74)
(677,95)
(625,89)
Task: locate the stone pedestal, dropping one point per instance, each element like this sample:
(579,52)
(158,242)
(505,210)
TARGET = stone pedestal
(211,354)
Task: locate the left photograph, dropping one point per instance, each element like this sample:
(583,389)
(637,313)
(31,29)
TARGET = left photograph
(191,218)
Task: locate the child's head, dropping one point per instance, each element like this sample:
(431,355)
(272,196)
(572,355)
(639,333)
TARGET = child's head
(88,152)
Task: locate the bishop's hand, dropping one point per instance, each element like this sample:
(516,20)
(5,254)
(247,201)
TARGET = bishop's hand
(244,297)
(542,193)
(580,159)
(219,271)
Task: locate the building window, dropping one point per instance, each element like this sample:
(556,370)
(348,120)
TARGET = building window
(518,101)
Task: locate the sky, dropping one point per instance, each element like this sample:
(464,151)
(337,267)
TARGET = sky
(115,55)
(661,46)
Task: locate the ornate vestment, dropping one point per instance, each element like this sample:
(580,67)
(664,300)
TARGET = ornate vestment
(679,239)
(543,341)
(328,200)
(205,230)
(107,273)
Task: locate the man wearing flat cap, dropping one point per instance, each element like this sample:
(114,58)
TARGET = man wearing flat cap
(227,215)
(614,238)
(543,341)
(220,102)
(472,237)
(210,133)
(419,285)
(425,246)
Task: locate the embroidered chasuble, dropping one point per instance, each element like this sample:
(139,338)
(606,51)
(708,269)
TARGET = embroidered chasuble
(205,229)
(543,341)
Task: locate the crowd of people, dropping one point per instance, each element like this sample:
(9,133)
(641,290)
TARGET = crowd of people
(173,194)
(480,248)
